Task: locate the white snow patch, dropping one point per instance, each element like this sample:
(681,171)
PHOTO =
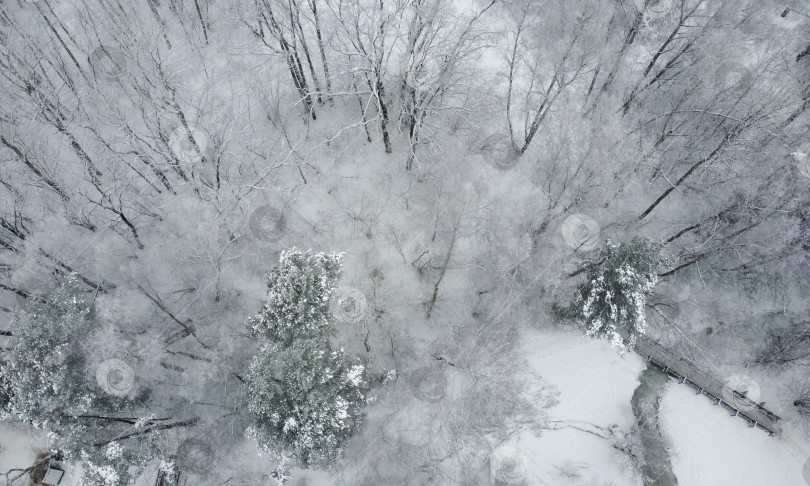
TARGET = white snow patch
(712,448)
(595,387)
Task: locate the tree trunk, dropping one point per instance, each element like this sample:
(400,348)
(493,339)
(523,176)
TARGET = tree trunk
(691,170)
(314,7)
(202,20)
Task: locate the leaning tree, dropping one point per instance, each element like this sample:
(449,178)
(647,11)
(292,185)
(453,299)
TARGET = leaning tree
(610,302)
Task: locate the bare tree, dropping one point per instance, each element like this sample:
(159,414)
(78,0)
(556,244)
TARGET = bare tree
(528,60)
(282,27)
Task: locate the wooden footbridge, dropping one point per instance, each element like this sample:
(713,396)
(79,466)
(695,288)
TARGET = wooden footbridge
(735,402)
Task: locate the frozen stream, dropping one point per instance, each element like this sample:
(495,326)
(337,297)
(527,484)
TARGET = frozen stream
(646,400)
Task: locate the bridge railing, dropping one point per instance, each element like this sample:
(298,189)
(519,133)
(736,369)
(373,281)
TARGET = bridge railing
(687,371)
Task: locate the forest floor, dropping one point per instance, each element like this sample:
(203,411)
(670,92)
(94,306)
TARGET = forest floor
(594,388)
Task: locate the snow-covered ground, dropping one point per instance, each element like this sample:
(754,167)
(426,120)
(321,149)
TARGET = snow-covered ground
(711,448)
(595,387)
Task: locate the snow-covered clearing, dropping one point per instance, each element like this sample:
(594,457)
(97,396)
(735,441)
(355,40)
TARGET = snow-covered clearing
(712,448)
(595,387)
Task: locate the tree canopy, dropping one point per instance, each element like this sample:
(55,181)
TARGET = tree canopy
(611,301)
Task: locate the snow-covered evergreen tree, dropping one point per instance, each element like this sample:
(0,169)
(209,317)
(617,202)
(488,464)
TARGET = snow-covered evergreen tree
(44,379)
(297,303)
(611,301)
(44,370)
(305,398)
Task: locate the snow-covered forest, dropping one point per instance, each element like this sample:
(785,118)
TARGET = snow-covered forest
(403,242)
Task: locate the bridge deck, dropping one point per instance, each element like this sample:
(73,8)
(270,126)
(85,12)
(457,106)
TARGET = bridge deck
(738,405)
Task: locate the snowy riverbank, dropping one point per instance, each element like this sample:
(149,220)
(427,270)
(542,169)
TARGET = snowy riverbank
(711,448)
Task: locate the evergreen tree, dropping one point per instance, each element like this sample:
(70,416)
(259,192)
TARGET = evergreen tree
(44,379)
(305,399)
(611,301)
(297,303)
